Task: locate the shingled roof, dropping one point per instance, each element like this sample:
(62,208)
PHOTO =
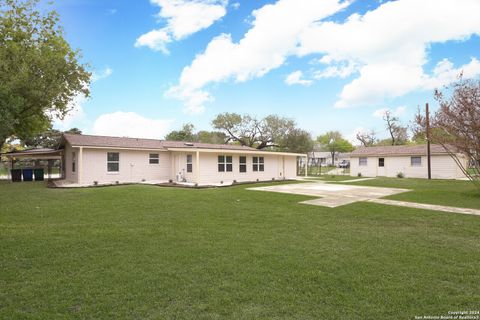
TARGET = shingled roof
(420,150)
(83,140)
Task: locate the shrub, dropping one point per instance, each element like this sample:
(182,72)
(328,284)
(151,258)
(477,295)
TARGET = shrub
(359,174)
(400,175)
(95,183)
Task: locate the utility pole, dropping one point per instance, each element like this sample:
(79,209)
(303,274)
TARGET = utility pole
(429,162)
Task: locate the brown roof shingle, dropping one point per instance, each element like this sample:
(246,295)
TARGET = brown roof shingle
(418,150)
(124,142)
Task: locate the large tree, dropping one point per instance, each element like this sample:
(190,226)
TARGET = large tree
(367,139)
(398,133)
(252,132)
(40,74)
(187,133)
(297,140)
(456,124)
(334,142)
(184,134)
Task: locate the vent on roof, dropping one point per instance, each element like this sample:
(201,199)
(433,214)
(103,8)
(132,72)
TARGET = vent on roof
(188,144)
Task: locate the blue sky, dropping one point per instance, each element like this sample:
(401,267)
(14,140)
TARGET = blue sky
(328,64)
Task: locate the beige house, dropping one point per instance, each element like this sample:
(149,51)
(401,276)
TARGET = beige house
(411,161)
(98,159)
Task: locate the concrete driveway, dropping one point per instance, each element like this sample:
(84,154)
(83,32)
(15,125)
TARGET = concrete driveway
(332,195)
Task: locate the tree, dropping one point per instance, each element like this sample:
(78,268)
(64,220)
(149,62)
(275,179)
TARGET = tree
(185,134)
(249,131)
(334,142)
(398,133)
(215,137)
(297,140)
(456,124)
(40,73)
(48,139)
(367,139)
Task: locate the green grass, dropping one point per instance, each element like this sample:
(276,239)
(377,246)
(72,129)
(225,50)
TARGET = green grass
(144,252)
(442,192)
(333,178)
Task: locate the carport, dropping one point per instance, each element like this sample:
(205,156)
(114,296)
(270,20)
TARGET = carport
(36,159)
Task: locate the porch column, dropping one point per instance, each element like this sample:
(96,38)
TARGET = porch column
(197,166)
(80,165)
(306,166)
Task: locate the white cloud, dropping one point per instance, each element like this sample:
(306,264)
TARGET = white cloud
(74,118)
(272,38)
(236,5)
(396,113)
(445,73)
(183,18)
(387,48)
(105,73)
(296,78)
(130,124)
(389,45)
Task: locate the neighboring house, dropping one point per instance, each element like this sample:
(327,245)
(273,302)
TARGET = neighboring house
(110,159)
(411,161)
(317,158)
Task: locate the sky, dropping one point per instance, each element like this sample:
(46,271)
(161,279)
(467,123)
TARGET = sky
(327,64)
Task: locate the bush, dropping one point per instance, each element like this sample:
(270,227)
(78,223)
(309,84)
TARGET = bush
(359,174)
(400,175)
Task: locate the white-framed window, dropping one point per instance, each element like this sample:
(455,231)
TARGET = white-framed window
(113,162)
(225,164)
(381,162)
(242,166)
(189,163)
(362,161)
(154,158)
(258,164)
(74,162)
(416,161)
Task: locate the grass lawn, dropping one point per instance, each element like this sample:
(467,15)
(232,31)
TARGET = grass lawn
(144,252)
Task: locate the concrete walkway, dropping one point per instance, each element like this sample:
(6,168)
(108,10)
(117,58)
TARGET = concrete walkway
(426,206)
(335,195)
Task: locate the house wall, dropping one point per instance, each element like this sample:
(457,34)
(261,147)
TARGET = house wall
(278,167)
(70,176)
(133,166)
(443,167)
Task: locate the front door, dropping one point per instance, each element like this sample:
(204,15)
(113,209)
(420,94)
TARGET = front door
(381,167)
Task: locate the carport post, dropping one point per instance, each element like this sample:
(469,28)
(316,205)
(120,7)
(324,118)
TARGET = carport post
(80,162)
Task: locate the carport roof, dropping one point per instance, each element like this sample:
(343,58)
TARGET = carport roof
(34,153)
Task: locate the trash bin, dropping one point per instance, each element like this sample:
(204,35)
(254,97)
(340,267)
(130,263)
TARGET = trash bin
(16,175)
(38,174)
(27,174)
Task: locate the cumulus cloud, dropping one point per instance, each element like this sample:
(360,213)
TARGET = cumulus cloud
(390,45)
(74,118)
(272,38)
(105,73)
(379,113)
(183,18)
(296,78)
(385,48)
(130,124)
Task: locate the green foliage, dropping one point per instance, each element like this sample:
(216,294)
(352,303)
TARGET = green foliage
(333,142)
(39,72)
(49,139)
(298,141)
(187,133)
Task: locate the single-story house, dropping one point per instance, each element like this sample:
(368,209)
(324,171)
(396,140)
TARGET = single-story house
(89,159)
(411,161)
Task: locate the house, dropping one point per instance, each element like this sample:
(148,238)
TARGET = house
(411,161)
(98,159)
(317,158)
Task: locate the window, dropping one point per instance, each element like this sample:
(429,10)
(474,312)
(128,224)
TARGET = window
(74,162)
(416,161)
(153,158)
(189,163)
(243,164)
(381,162)
(225,164)
(258,164)
(362,161)
(113,161)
